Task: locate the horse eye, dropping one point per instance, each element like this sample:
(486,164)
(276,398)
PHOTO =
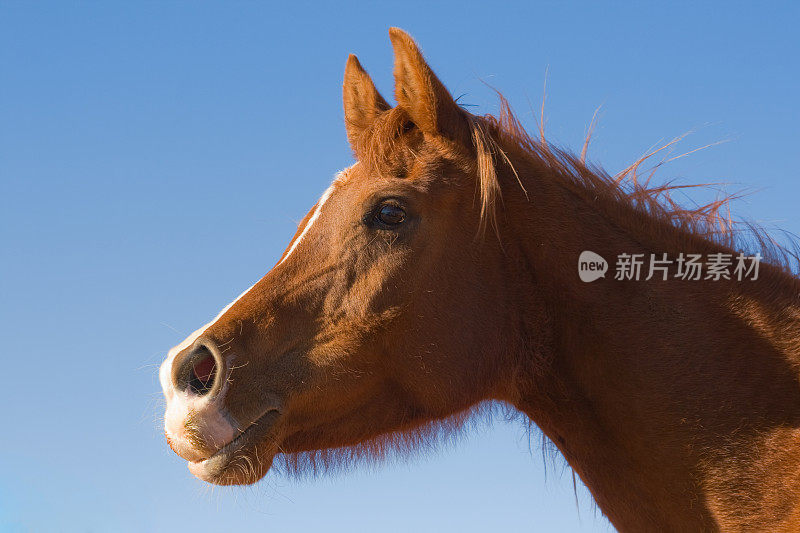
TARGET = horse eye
(390,215)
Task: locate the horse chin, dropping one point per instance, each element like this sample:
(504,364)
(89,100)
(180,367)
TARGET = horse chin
(243,461)
(239,471)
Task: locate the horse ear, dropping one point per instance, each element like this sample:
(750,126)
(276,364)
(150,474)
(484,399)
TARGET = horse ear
(362,101)
(421,94)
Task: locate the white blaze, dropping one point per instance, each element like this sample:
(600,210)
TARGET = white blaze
(340,177)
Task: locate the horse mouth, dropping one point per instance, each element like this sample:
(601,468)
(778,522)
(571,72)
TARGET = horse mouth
(245,459)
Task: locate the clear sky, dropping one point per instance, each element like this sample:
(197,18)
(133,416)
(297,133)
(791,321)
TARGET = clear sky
(155,159)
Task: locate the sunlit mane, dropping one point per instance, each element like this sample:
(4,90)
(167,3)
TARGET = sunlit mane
(626,192)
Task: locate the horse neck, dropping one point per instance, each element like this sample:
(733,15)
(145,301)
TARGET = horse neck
(675,401)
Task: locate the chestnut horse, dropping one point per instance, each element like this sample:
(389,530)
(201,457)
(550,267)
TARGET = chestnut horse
(438,273)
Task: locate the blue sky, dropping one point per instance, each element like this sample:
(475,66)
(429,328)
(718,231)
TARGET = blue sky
(155,159)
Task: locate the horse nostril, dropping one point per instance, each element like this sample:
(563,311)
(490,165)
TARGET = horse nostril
(203,373)
(199,371)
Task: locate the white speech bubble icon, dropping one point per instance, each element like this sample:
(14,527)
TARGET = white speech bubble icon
(591,266)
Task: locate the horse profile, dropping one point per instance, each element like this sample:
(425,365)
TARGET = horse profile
(439,273)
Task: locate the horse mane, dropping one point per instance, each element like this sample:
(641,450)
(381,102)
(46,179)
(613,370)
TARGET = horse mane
(625,193)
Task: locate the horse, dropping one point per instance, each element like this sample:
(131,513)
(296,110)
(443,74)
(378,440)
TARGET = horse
(440,273)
